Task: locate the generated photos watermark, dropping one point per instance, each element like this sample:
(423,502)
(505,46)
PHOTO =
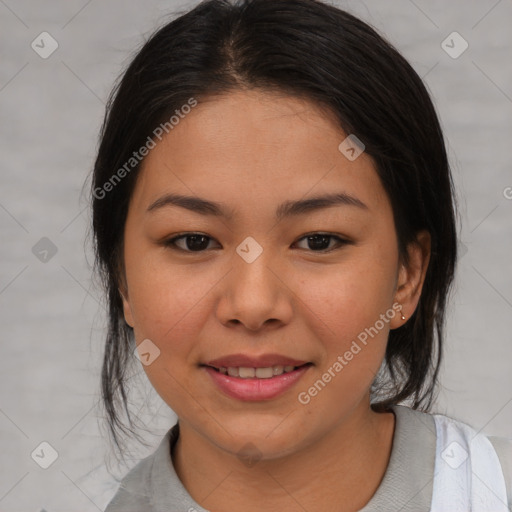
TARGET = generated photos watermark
(304,397)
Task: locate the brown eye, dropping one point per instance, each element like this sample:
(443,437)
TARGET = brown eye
(320,242)
(190,242)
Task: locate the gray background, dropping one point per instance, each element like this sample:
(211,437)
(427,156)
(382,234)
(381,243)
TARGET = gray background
(50,311)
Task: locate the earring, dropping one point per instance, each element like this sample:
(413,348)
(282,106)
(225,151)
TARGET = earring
(401,312)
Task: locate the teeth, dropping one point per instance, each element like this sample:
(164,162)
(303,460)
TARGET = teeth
(277,370)
(264,373)
(233,372)
(260,373)
(246,373)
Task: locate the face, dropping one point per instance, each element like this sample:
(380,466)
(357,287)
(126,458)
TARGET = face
(256,276)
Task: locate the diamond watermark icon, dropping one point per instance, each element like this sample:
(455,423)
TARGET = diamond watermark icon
(45,455)
(44,45)
(249,455)
(146,352)
(454,45)
(351,147)
(454,455)
(249,249)
(44,250)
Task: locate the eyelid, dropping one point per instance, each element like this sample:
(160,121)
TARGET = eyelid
(341,241)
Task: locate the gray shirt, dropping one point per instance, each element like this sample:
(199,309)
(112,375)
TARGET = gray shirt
(153,485)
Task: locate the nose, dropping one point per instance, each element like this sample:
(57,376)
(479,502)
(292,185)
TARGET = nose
(255,294)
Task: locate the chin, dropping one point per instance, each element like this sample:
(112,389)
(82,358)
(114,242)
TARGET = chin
(264,440)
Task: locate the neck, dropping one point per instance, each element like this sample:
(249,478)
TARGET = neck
(340,471)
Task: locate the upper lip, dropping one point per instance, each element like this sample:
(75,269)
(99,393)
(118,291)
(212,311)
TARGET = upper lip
(263,361)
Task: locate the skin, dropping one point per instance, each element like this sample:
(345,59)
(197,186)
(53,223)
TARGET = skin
(251,151)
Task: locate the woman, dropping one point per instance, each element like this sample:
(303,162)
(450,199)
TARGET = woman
(275,227)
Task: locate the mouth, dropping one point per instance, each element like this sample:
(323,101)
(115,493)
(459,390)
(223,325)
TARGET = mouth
(255,379)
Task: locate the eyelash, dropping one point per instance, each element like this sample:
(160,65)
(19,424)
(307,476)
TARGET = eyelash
(171,243)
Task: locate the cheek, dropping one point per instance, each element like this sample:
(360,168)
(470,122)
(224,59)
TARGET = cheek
(345,313)
(168,310)
(166,304)
(352,297)
(343,308)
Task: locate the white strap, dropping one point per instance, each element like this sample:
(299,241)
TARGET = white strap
(468,476)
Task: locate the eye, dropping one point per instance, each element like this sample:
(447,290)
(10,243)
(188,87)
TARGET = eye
(319,242)
(193,242)
(197,242)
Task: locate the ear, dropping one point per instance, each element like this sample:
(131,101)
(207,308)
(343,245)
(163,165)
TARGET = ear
(411,277)
(127,310)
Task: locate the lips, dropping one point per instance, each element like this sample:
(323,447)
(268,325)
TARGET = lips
(255,388)
(255,378)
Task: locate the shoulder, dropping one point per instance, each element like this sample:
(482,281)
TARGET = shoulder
(466,453)
(135,491)
(452,429)
(461,457)
(446,427)
(503,447)
(417,426)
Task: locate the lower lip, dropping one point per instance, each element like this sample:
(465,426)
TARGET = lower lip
(255,389)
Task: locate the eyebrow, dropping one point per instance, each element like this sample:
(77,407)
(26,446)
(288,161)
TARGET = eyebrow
(286,209)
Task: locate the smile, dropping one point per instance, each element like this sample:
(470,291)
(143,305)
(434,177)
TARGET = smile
(256,384)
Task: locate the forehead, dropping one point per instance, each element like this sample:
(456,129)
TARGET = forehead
(252,147)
